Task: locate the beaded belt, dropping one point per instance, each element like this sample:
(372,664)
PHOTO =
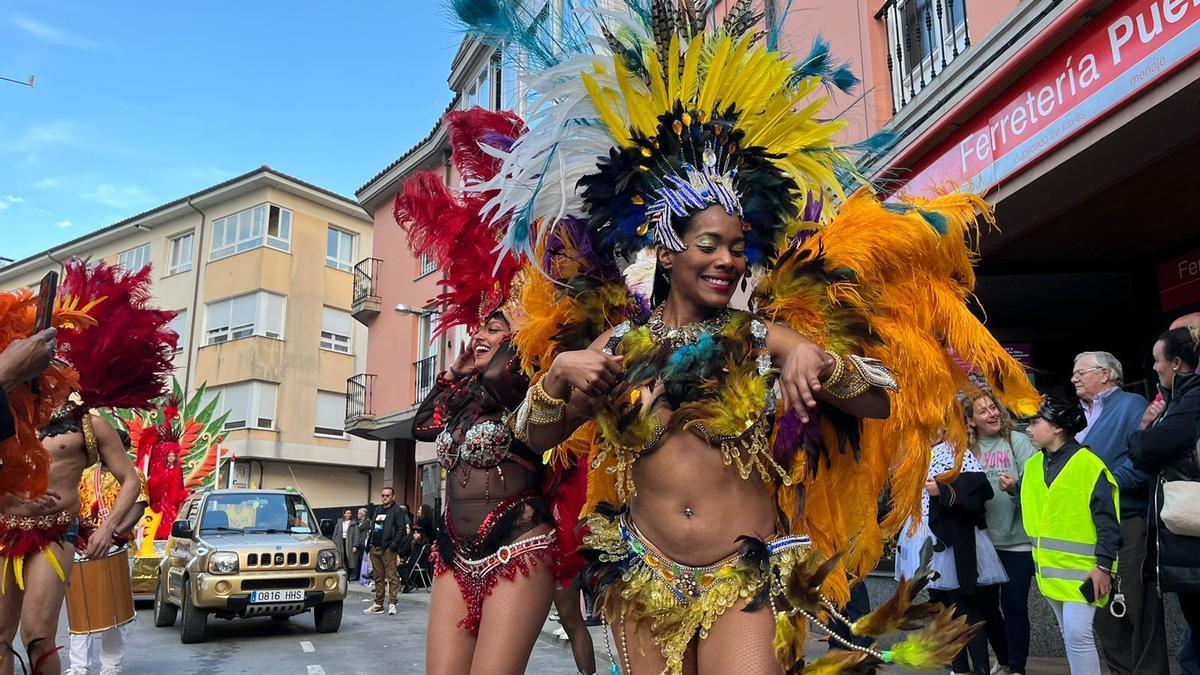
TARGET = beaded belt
(686,582)
(504,554)
(61,518)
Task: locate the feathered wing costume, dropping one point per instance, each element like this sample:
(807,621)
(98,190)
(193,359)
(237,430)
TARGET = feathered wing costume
(669,111)
(120,350)
(25,463)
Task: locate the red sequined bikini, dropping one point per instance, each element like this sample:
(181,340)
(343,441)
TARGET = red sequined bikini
(478,566)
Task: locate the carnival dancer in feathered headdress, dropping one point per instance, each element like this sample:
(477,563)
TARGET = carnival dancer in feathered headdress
(496,537)
(177,445)
(121,350)
(722,520)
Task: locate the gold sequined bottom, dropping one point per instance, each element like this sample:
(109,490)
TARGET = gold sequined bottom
(676,601)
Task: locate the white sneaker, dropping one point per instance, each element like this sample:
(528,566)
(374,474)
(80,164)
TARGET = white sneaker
(368,599)
(561,633)
(392,610)
(75,670)
(110,670)
(373,609)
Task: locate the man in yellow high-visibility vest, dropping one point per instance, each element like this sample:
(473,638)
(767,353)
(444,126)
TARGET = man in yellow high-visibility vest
(1069,502)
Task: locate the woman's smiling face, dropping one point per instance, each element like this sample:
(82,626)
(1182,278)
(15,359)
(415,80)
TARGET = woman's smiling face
(487,339)
(708,271)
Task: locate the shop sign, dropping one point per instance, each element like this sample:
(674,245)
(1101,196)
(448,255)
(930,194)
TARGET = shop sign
(1021,351)
(1120,53)
(1179,281)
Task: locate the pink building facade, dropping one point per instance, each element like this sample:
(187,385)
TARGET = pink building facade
(1076,118)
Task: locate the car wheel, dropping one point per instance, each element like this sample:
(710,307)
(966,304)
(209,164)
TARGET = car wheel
(164,612)
(328,617)
(195,621)
(280,617)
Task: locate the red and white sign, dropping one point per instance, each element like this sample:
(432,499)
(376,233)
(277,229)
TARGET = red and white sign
(1179,281)
(1120,53)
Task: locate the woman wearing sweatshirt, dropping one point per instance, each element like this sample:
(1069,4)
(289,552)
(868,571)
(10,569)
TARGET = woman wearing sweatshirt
(1002,454)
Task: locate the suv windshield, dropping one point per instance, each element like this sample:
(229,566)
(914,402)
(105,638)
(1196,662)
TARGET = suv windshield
(257,513)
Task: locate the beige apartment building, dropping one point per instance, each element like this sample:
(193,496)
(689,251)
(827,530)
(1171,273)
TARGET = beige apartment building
(260,270)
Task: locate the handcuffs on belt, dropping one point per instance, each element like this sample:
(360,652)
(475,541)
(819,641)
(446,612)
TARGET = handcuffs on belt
(1116,606)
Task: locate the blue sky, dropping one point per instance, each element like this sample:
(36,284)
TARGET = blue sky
(139,103)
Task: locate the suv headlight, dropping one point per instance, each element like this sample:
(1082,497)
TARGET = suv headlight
(327,560)
(223,562)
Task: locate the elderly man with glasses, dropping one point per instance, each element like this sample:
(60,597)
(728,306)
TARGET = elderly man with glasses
(1136,642)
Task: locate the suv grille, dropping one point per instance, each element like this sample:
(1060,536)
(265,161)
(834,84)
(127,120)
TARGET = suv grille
(275,584)
(274,560)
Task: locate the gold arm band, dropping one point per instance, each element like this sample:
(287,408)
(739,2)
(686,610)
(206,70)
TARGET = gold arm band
(853,375)
(544,409)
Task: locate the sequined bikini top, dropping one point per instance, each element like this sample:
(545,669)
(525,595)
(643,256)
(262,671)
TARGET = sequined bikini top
(737,416)
(487,444)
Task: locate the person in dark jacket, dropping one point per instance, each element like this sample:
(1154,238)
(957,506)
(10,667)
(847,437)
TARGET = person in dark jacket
(1168,447)
(387,534)
(963,558)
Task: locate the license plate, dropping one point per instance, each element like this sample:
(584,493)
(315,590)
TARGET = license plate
(277,596)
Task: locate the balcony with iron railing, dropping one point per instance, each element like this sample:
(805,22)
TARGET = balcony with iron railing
(360,390)
(924,37)
(426,375)
(366,302)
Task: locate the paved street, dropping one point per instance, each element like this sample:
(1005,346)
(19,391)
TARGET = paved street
(366,644)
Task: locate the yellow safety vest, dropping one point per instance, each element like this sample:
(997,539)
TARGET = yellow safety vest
(1059,521)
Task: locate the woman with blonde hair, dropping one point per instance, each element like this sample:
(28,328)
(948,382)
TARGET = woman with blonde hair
(1002,451)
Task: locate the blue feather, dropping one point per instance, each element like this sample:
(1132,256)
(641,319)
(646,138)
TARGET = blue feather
(774,30)
(820,63)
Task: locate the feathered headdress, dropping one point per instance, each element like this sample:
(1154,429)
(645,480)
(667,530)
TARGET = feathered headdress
(25,462)
(660,119)
(124,361)
(448,227)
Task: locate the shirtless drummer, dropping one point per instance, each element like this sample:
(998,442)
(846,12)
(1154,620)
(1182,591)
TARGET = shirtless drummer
(37,551)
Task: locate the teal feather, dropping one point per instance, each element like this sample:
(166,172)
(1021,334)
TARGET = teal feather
(820,63)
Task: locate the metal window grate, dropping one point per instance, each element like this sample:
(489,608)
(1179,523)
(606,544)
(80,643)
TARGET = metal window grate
(924,37)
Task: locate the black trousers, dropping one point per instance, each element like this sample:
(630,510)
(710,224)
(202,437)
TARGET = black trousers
(976,651)
(1005,608)
(858,606)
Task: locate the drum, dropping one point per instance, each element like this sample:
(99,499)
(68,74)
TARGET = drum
(100,595)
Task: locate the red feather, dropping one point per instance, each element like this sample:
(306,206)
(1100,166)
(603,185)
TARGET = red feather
(124,361)
(448,227)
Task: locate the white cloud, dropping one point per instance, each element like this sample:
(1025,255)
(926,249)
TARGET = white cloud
(51,34)
(63,224)
(40,136)
(118,196)
(3,205)
(12,199)
(47,183)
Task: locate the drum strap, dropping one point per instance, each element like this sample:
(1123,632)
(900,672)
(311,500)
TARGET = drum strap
(97,486)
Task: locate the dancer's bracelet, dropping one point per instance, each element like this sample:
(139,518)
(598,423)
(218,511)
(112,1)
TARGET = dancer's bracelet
(544,409)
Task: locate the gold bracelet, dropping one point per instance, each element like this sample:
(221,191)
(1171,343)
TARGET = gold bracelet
(846,381)
(544,409)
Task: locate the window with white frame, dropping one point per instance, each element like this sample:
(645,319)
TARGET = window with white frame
(331,414)
(178,325)
(426,344)
(262,225)
(339,249)
(335,330)
(180,259)
(251,405)
(428,264)
(258,313)
(134,259)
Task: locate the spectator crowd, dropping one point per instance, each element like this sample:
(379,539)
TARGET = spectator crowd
(1097,501)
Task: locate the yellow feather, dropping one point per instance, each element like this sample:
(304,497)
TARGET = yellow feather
(658,89)
(615,126)
(673,72)
(691,70)
(712,79)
